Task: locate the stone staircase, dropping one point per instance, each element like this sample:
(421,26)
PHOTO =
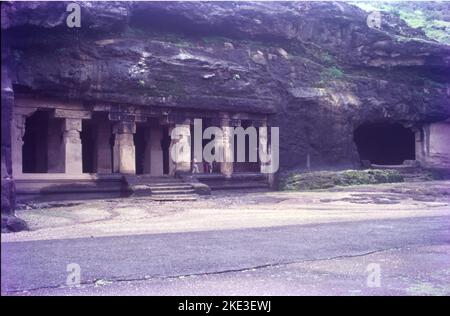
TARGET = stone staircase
(161,188)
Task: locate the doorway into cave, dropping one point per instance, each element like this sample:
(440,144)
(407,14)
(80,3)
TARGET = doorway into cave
(34,150)
(140,145)
(88,146)
(384,143)
(247,165)
(165,144)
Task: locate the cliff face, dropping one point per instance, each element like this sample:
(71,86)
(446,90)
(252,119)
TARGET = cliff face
(316,66)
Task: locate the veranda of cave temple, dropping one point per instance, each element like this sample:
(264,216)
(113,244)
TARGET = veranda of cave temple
(58,141)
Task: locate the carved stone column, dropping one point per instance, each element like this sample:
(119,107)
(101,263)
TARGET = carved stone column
(180,148)
(268,162)
(264,146)
(8,198)
(226,167)
(73,163)
(17,133)
(124,153)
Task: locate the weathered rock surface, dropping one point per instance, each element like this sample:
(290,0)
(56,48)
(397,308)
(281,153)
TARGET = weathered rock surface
(11,223)
(317,66)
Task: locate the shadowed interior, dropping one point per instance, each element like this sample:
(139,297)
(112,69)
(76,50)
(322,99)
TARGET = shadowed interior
(385,143)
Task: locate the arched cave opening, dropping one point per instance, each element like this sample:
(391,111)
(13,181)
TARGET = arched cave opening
(384,143)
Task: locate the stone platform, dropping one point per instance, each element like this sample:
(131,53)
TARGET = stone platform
(237,181)
(54,187)
(51,187)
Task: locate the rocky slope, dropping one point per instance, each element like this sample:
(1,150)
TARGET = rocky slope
(316,66)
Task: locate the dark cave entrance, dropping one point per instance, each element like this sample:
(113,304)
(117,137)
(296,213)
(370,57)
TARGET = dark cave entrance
(247,165)
(34,151)
(385,143)
(87,136)
(165,144)
(140,145)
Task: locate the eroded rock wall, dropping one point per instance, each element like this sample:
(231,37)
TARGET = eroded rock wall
(316,67)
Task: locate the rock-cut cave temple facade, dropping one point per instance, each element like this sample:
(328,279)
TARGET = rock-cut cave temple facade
(84,107)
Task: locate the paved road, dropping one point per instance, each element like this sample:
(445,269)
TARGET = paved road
(40,266)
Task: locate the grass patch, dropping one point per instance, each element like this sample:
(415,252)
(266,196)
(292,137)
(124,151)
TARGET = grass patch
(297,181)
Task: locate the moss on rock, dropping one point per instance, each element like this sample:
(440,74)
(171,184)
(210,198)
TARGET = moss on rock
(296,181)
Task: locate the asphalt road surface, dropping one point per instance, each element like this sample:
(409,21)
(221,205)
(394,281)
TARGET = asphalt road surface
(409,255)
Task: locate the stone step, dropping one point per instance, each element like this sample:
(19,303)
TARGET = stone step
(170,188)
(161,181)
(168,185)
(150,179)
(169,197)
(172,192)
(162,188)
(156,182)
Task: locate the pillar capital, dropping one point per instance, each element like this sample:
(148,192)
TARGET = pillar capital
(124,128)
(72,124)
(224,122)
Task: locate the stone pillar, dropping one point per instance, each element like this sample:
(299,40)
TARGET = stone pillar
(17,133)
(154,153)
(8,199)
(180,148)
(103,163)
(226,166)
(263,145)
(172,165)
(419,134)
(437,145)
(124,160)
(73,163)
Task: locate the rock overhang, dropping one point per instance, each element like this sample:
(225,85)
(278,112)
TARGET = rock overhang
(316,66)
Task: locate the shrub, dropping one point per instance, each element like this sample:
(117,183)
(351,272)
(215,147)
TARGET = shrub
(296,181)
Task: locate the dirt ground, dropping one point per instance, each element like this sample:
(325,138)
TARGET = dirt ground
(230,210)
(245,243)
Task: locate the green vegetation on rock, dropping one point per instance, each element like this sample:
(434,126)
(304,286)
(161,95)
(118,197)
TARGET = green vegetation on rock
(296,181)
(329,74)
(431,17)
